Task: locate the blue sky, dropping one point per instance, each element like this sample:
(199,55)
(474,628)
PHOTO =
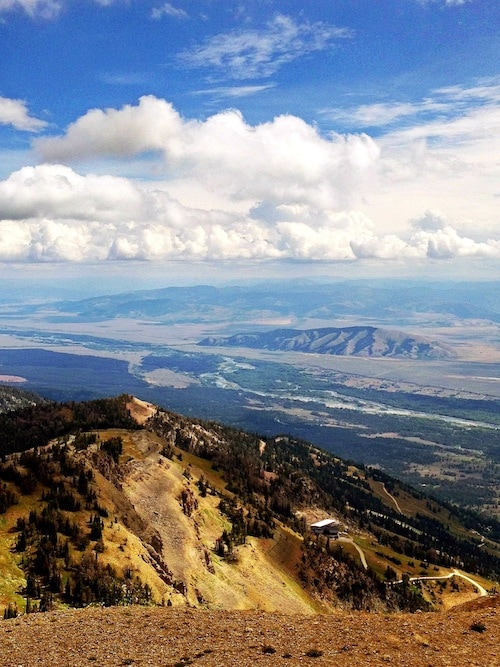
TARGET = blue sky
(333,133)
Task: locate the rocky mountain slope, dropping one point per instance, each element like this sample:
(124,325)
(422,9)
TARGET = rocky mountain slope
(348,341)
(132,504)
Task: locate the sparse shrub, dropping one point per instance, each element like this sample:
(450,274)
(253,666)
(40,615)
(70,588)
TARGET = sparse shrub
(102,511)
(96,526)
(478,626)
(314,653)
(167,451)
(268,649)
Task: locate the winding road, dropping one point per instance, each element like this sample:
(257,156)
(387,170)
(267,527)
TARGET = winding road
(398,508)
(455,573)
(360,551)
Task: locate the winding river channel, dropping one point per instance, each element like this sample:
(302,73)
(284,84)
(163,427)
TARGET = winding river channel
(335,400)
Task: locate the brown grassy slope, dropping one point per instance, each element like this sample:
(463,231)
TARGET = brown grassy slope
(147,532)
(265,576)
(161,637)
(153,486)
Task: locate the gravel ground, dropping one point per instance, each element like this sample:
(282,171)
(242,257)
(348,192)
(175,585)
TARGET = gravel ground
(157,637)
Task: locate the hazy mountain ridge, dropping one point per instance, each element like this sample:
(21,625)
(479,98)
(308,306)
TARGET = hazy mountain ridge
(347,341)
(202,514)
(382,300)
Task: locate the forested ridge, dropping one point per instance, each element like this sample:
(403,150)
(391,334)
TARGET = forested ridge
(304,475)
(35,425)
(269,483)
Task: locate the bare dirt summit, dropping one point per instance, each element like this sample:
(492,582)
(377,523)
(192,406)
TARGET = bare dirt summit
(174,637)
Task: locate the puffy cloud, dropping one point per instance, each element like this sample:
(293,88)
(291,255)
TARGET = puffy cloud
(57,191)
(284,160)
(446,243)
(50,213)
(248,54)
(443,243)
(430,221)
(228,190)
(15,113)
(385,247)
(151,125)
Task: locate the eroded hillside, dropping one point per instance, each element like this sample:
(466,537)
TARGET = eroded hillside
(359,341)
(185,513)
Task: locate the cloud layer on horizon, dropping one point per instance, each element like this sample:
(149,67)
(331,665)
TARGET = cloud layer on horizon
(51,213)
(223,189)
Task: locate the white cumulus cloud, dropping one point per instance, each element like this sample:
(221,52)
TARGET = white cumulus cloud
(228,190)
(15,113)
(152,125)
(49,213)
(284,160)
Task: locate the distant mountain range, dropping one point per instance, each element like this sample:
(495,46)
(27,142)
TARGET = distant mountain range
(378,300)
(347,341)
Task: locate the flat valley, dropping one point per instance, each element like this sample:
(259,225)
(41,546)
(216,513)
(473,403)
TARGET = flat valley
(433,422)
